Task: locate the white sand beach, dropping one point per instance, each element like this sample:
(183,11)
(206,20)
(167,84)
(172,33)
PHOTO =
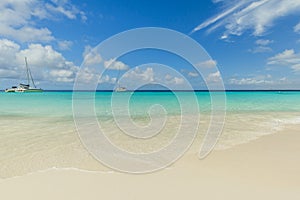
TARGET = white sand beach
(266,168)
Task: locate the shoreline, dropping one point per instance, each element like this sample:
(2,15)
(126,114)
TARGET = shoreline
(264,168)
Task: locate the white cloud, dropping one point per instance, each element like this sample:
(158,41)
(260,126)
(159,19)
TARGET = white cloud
(214,77)
(261,49)
(193,74)
(168,77)
(71,14)
(143,75)
(65,8)
(8,51)
(113,64)
(113,79)
(296,67)
(65,45)
(297,28)
(139,75)
(18,18)
(287,58)
(91,57)
(85,76)
(174,80)
(45,63)
(218,17)
(43,56)
(262,42)
(107,79)
(62,75)
(283,79)
(27,33)
(262,46)
(255,15)
(83,16)
(87,50)
(217,1)
(178,81)
(246,81)
(7,73)
(251,80)
(207,64)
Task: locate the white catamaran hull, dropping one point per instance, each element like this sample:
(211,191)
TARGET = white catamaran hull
(120,89)
(23,90)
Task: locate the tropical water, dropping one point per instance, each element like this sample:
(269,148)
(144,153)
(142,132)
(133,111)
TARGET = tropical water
(38,131)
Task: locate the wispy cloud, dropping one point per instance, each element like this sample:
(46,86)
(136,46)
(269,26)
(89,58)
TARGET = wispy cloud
(262,46)
(262,42)
(254,15)
(218,17)
(297,28)
(261,49)
(287,58)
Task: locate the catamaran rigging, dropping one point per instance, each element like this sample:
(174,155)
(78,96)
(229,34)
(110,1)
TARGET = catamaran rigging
(25,87)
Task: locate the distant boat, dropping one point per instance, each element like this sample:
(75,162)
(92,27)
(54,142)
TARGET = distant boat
(25,87)
(119,88)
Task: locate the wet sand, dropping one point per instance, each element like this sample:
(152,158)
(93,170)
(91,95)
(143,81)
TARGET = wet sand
(266,168)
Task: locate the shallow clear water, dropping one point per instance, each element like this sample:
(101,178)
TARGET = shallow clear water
(59,104)
(38,131)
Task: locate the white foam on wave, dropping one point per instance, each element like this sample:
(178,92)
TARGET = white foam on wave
(264,126)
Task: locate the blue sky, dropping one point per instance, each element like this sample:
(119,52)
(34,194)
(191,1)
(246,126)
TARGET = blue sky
(254,43)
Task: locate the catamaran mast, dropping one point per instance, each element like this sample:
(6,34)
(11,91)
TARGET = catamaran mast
(29,74)
(118,77)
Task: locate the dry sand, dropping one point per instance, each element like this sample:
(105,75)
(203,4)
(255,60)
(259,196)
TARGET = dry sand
(267,168)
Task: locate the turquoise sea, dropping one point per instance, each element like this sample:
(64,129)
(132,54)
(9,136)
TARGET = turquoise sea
(59,104)
(38,130)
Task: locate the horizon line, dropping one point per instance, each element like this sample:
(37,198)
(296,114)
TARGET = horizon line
(229,90)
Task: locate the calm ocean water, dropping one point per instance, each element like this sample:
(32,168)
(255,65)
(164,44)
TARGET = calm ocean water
(38,131)
(59,104)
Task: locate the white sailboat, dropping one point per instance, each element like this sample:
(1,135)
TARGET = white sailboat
(25,87)
(119,88)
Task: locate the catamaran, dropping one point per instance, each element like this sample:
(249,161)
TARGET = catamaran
(119,88)
(25,87)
